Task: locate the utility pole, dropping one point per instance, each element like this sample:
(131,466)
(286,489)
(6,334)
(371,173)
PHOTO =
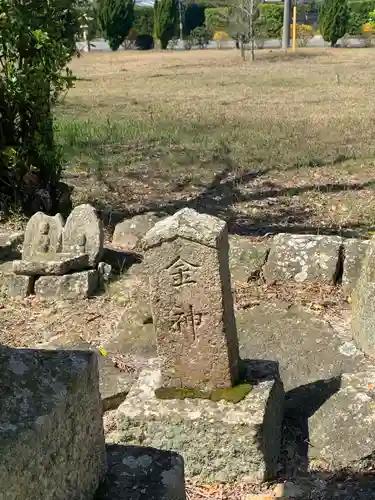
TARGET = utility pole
(286,25)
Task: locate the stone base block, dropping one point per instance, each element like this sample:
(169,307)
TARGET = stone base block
(218,441)
(12,285)
(51,430)
(138,473)
(341,430)
(71,286)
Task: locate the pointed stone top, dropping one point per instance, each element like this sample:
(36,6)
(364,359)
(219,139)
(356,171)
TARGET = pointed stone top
(188,224)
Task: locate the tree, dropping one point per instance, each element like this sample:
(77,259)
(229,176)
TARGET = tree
(272,16)
(116,18)
(193,17)
(37,40)
(217,18)
(333,20)
(144,20)
(165,21)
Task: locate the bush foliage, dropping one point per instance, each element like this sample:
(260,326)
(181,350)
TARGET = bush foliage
(37,40)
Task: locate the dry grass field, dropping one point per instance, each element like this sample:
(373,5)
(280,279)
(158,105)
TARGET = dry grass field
(284,144)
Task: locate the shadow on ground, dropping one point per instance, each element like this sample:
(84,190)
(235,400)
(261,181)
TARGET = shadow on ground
(279,209)
(140,473)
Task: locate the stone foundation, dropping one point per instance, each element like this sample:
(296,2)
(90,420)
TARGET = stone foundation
(218,441)
(51,430)
(71,286)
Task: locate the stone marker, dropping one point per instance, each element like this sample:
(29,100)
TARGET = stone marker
(70,286)
(191,300)
(129,233)
(51,430)
(341,429)
(363,304)
(83,233)
(303,258)
(43,235)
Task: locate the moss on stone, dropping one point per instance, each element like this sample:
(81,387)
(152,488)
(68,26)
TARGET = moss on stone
(232,394)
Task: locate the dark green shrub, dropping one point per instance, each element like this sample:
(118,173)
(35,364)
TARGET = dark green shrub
(193,17)
(144,42)
(116,18)
(333,20)
(201,36)
(165,21)
(38,40)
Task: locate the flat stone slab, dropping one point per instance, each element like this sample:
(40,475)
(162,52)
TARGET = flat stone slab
(303,258)
(246,258)
(51,264)
(341,430)
(129,233)
(79,285)
(51,429)
(354,253)
(218,441)
(139,473)
(306,347)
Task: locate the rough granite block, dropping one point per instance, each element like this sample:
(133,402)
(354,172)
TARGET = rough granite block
(341,430)
(363,304)
(355,252)
(129,233)
(13,285)
(246,258)
(51,431)
(218,441)
(71,286)
(303,258)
